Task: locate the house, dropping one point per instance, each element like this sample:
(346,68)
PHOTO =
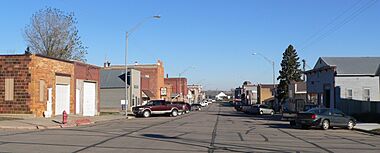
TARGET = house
(112,89)
(44,86)
(221,96)
(336,78)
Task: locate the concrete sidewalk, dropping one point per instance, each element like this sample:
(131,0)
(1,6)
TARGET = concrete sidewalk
(367,127)
(31,123)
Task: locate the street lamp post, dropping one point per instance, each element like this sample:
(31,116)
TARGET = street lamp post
(126,55)
(273,75)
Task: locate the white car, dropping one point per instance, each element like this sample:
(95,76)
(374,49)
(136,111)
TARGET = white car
(204,104)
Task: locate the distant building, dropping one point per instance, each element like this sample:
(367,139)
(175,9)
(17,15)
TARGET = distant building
(265,93)
(179,88)
(238,93)
(112,89)
(249,96)
(221,96)
(152,78)
(195,93)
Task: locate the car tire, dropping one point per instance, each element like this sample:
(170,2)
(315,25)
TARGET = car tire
(350,125)
(174,113)
(261,112)
(272,113)
(325,124)
(146,114)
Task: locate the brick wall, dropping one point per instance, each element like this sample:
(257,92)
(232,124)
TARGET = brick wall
(16,67)
(46,69)
(88,72)
(179,85)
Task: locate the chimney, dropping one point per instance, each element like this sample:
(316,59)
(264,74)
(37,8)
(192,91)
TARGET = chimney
(167,75)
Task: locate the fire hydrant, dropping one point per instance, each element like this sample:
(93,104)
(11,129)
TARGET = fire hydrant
(64,117)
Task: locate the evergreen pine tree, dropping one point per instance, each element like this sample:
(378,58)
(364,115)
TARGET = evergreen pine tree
(290,71)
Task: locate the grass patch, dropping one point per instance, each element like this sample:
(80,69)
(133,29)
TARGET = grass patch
(367,117)
(9,118)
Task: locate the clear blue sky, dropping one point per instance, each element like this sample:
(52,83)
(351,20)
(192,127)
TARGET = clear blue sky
(217,37)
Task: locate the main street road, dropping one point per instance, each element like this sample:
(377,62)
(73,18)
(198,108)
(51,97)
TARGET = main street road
(217,128)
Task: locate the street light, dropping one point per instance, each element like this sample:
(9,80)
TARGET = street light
(273,75)
(139,24)
(179,76)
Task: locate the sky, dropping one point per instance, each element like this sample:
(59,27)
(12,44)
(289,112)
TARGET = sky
(210,41)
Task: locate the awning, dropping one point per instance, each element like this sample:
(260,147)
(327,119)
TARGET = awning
(174,95)
(147,94)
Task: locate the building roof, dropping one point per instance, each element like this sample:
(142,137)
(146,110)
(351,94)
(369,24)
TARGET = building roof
(354,65)
(110,78)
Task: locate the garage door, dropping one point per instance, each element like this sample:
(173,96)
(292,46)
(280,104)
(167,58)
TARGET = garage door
(62,99)
(89,99)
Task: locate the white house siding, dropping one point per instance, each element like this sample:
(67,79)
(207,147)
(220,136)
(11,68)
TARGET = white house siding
(358,84)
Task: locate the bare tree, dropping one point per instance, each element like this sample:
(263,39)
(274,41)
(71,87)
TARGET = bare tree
(54,33)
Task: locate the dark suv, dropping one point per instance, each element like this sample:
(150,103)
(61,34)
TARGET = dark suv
(156,107)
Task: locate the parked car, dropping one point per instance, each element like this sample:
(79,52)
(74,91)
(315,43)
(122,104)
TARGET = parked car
(196,107)
(324,118)
(261,109)
(157,107)
(292,115)
(183,107)
(204,104)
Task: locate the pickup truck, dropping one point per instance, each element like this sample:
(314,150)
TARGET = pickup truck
(157,107)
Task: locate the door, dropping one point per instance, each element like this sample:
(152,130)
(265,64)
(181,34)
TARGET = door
(89,99)
(339,118)
(62,99)
(77,101)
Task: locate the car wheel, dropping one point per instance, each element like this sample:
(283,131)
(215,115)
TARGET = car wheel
(325,124)
(146,113)
(272,113)
(350,125)
(174,113)
(261,112)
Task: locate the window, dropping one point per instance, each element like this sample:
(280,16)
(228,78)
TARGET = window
(9,89)
(42,91)
(349,93)
(367,94)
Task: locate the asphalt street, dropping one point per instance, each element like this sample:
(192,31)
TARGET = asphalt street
(217,128)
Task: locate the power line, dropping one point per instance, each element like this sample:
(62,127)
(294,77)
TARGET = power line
(330,23)
(348,19)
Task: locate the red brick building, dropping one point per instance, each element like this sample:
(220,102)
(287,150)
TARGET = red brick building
(152,79)
(179,87)
(38,85)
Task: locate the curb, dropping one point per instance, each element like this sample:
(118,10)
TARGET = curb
(366,131)
(75,123)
